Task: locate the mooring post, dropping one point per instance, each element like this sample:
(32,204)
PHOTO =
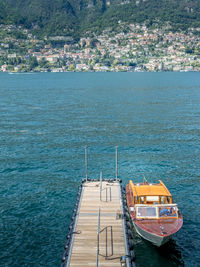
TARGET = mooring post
(86,172)
(116,156)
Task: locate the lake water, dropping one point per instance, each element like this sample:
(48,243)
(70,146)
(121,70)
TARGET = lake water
(45,121)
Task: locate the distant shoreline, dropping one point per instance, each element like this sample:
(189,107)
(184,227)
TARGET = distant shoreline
(135,48)
(35,72)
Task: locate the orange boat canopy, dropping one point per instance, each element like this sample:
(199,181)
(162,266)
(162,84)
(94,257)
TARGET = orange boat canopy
(147,189)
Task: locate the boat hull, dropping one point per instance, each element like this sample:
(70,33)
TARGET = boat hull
(153,238)
(158,231)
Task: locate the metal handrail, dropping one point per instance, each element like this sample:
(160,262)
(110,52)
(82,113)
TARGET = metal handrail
(98,232)
(106,189)
(111,240)
(98,235)
(101,190)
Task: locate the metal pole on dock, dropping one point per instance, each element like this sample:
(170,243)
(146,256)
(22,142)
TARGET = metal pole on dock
(98,231)
(100,181)
(116,156)
(100,184)
(86,171)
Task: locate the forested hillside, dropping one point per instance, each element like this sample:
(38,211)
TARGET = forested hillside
(74,17)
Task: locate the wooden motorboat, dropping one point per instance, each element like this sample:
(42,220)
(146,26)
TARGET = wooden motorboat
(154,215)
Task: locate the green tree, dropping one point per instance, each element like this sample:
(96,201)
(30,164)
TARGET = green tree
(33,63)
(43,63)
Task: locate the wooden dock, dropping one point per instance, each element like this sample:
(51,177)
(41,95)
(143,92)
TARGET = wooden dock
(99,238)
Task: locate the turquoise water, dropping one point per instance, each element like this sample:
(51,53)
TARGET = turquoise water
(46,119)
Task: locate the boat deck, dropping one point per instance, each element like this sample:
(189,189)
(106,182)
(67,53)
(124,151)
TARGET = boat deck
(98,238)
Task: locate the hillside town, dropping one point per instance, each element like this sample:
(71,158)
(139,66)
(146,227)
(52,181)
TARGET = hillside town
(134,48)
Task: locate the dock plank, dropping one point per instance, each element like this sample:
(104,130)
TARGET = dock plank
(84,246)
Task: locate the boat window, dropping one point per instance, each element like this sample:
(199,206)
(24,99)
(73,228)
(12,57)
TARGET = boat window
(146,212)
(142,200)
(162,200)
(152,198)
(167,211)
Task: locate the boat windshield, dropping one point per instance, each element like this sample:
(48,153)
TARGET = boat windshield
(167,211)
(156,211)
(147,212)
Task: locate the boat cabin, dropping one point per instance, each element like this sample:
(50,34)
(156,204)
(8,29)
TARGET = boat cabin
(151,201)
(148,193)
